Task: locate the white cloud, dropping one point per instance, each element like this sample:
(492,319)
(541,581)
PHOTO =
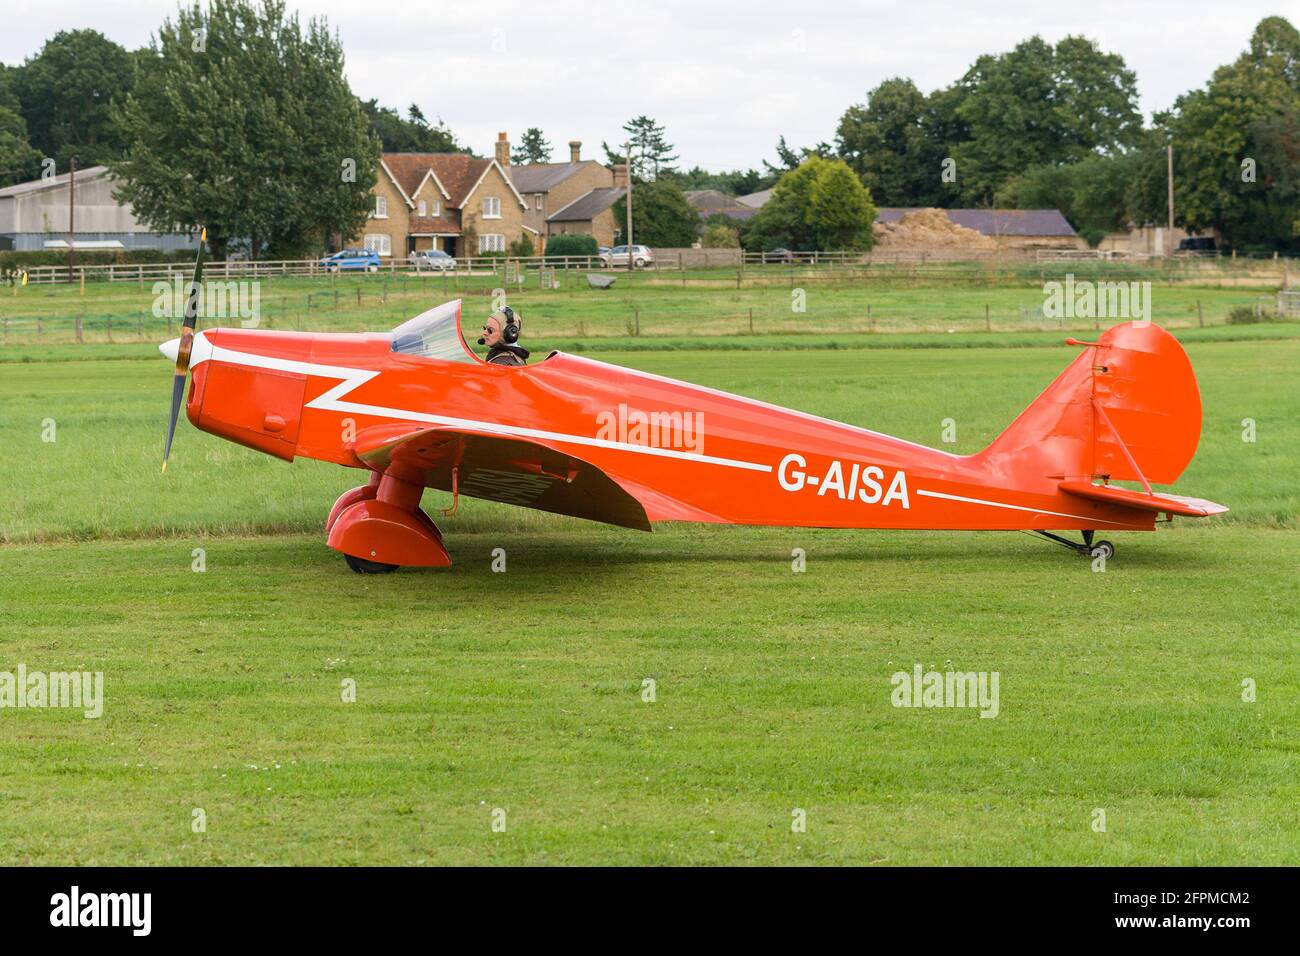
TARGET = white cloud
(726,80)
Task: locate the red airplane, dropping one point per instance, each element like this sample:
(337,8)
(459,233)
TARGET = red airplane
(417,409)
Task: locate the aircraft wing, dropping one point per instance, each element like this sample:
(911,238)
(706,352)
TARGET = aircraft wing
(516,471)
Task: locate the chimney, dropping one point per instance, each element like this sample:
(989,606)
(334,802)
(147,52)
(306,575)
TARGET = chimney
(575,150)
(620,174)
(503,149)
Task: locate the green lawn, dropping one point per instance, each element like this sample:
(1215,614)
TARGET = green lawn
(1119,691)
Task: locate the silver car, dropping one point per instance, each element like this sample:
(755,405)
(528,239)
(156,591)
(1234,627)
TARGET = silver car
(431,259)
(641,257)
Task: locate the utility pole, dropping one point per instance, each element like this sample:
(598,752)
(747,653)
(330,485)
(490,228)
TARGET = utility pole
(630,258)
(1169,233)
(72,212)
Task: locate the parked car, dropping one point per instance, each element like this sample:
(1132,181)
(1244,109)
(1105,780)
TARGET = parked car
(351,260)
(1200,245)
(431,259)
(780,254)
(641,257)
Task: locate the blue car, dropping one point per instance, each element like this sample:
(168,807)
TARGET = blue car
(351,260)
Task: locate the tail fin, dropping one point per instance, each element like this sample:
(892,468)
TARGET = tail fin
(1126,409)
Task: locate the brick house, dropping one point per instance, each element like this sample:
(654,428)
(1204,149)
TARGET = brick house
(567,198)
(455,202)
(467,206)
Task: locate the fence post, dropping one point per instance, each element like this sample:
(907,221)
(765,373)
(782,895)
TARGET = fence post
(79,339)
(988,327)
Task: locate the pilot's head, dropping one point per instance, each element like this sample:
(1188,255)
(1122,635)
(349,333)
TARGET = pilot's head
(501,328)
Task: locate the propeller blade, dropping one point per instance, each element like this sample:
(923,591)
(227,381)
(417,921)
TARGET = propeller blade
(186,344)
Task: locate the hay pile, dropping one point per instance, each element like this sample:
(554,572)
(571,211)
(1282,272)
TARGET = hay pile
(928,229)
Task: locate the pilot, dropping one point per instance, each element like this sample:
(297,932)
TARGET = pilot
(500,333)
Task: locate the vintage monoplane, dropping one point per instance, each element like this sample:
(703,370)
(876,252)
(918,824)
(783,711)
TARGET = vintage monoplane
(417,409)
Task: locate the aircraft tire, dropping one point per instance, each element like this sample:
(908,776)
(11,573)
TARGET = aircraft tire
(362,566)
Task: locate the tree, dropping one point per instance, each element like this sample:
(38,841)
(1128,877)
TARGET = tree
(68,91)
(720,235)
(820,205)
(734,183)
(1038,105)
(661,216)
(791,158)
(887,143)
(19,162)
(1247,112)
(532,148)
(411,135)
(652,154)
(242,121)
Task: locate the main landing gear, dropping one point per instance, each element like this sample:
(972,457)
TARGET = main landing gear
(379,527)
(1089,548)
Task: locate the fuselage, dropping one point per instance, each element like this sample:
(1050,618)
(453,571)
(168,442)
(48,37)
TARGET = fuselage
(687,453)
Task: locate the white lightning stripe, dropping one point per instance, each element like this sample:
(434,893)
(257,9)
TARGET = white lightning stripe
(1003,504)
(352,378)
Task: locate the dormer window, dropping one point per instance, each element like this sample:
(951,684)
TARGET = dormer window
(424,208)
(381,207)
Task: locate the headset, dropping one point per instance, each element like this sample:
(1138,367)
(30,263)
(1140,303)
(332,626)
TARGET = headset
(510,331)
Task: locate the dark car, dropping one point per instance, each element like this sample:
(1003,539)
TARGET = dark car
(1201,245)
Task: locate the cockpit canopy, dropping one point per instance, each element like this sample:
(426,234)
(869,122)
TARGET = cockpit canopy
(434,334)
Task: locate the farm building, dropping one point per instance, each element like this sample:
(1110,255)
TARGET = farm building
(34,216)
(711,202)
(1008,228)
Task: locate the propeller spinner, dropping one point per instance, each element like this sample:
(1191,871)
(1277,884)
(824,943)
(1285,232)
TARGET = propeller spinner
(185,344)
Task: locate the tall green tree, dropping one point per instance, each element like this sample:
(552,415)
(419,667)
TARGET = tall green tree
(1038,104)
(19,160)
(242,120)
(889,142)
(532,148)
(68,91)
(1234,147)
(412,134)
(661,216)
(652,154)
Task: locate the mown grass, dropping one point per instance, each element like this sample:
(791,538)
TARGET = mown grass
(475,691)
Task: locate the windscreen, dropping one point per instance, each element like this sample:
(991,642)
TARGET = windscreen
(434,334)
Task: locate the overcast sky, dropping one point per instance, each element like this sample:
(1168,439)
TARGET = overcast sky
(725,80)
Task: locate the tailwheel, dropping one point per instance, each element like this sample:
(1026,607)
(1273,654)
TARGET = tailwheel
(1089,548)
(362,566)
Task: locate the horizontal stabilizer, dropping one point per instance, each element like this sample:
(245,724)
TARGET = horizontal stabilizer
(1173,504)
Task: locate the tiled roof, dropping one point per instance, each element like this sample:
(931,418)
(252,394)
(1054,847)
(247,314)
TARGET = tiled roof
(450,223)
(457,172)
(997,222)
(540,177)
(589,205)
(757,199)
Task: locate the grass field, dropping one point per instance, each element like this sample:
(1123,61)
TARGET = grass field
(702,304)
(523,692)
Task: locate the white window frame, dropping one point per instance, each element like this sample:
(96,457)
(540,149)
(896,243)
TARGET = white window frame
(491,242)
(491,207)
(537,204)
(379,242)
(435,208)
(424,208)
(381,207)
